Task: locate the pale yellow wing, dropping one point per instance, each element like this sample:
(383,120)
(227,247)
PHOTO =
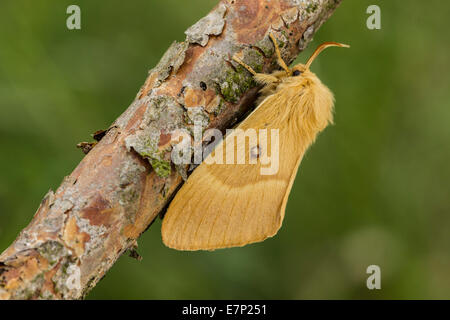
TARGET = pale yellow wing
(227,205)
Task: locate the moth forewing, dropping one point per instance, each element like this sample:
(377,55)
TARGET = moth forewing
(226,205)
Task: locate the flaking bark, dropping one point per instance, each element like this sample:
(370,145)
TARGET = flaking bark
(127,179)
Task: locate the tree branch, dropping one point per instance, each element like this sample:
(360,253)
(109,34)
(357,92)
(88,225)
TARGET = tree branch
(127,179)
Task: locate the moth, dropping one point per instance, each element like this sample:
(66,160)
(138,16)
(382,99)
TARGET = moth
(229,205)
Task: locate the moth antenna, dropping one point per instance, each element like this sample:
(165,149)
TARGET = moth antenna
(322,47)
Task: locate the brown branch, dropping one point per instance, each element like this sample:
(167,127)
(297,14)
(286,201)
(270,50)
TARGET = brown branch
(127,179)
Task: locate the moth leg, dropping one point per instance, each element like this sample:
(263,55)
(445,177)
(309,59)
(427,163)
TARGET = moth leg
(279,58)
(246,66)
(261,78)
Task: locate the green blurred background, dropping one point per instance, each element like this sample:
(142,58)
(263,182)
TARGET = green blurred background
(374,189)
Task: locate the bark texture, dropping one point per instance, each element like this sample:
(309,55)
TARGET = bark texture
(127,179)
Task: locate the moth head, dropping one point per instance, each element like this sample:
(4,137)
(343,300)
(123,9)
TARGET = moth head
(299,69)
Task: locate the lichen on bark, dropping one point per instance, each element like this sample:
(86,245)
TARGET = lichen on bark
(162,116)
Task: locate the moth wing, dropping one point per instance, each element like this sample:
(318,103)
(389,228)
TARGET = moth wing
(228,205)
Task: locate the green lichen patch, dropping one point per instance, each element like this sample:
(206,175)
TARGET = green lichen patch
(161,167)
(146,145)
(235,83)
(52,251)
(163,113)
(254,59)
